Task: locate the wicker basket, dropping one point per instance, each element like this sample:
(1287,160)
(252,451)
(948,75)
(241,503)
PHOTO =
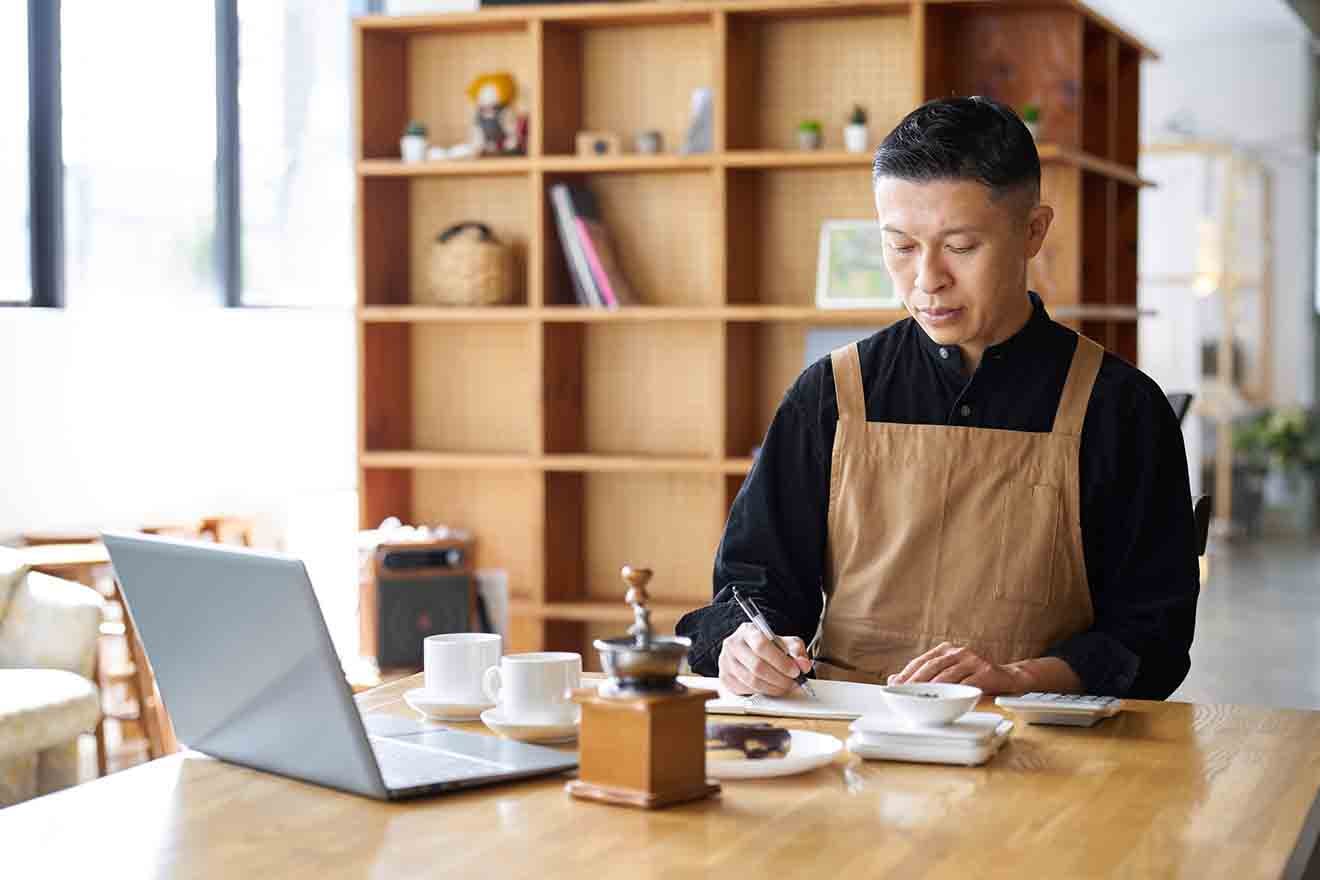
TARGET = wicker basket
(470,267)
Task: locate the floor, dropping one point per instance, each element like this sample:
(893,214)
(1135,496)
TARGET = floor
(1258,626)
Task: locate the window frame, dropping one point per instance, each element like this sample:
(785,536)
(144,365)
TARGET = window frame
(46,156)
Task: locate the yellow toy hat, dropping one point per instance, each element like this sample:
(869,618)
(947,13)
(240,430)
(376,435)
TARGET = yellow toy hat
(504,85)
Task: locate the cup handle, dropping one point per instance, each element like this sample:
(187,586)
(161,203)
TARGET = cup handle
(490,683)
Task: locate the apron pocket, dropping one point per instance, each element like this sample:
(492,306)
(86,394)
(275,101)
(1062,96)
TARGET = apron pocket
(1026,552)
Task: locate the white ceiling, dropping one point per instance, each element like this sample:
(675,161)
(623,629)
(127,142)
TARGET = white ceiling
(1159,23)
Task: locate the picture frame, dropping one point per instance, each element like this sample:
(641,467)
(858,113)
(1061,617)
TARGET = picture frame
(850,272)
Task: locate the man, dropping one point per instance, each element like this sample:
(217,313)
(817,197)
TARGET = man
(975,494)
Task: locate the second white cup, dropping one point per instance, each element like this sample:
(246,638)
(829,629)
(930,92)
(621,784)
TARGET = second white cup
(454,664)
(532,688)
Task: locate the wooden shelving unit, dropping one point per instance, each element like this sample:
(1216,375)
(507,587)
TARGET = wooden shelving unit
(573,440)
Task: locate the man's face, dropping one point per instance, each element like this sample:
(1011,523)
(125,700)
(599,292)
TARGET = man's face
(959,258)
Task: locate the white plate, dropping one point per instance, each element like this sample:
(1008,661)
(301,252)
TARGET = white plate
(807,751)
(441,709)
(533,733)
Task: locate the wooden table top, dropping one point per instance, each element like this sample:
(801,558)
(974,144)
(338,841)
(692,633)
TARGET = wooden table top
(1163,789)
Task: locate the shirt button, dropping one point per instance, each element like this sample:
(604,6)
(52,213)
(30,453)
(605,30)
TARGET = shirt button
(965,410)
(944,353)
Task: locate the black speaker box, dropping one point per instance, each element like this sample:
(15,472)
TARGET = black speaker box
(420,590)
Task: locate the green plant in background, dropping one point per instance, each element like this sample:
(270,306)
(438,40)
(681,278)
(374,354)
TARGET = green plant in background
(809,126)
(1287,438)
(857,116)
(1030,113)
(415,129)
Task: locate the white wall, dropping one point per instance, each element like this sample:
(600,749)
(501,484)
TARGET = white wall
(117,418)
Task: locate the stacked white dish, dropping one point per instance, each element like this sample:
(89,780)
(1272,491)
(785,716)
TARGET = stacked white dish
(930,723)
(972,739)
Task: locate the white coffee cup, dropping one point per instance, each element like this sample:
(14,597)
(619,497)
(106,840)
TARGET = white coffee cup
(532,688)
(454,664)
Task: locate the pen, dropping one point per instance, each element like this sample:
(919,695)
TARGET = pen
(756,617)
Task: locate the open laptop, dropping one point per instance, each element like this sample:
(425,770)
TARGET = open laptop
(247,671)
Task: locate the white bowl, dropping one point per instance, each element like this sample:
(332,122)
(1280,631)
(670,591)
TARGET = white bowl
(930,703)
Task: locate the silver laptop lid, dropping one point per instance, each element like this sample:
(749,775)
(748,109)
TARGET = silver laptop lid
(243,659)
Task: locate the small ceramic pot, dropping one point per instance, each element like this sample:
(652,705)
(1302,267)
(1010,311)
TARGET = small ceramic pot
(412,147)
(808,140)
(648,142)
(855,138)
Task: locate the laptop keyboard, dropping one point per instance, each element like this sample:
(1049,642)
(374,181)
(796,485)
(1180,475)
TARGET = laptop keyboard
(405,765)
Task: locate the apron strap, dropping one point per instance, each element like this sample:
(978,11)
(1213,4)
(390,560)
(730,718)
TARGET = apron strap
(848,383)
(1077,390)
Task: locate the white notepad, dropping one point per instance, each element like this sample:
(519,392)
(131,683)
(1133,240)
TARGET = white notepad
(839,700)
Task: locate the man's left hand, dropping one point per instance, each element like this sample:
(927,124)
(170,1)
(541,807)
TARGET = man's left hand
(958,664)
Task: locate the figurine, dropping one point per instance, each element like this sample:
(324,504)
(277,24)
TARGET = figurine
(495,129)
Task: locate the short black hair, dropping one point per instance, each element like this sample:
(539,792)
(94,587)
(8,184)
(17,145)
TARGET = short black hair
(972,138)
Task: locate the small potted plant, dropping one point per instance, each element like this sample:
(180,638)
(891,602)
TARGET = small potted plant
(1280,448)
(412,146)
(855,132)
(808,134)
(1031,119)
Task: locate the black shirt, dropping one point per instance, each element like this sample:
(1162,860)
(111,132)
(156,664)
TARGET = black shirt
(1138,535)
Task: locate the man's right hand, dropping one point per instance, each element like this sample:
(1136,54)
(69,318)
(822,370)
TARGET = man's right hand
(751,664)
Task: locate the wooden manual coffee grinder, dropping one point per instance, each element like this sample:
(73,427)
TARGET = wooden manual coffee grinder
(643,735)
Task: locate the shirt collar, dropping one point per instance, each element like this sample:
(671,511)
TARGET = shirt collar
(950,357)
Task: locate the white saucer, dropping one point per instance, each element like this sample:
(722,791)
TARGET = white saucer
(534,733)
(807,751)
(441,708)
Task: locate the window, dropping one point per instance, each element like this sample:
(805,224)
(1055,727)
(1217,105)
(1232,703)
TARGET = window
(295,169)
(15,237)
(209,164)
(139,153)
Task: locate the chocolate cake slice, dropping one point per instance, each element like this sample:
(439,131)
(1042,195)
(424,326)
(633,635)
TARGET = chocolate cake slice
(733,742)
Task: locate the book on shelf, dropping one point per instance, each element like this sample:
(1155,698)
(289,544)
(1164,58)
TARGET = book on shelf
(593,266)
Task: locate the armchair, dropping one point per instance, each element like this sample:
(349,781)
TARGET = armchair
(48,637)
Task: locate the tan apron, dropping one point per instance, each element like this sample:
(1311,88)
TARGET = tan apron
(943,533)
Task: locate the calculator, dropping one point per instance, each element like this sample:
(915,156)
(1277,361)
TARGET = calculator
(1072,710)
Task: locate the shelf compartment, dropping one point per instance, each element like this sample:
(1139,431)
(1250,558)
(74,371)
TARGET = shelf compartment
(1099,72)
(473,389)
(1014,55)
(436,203)
(632,389)
(816,67)
(664,230)
(762,363)
(622,77)
(503,510)
(424,74)
(1056,271)
(668,522)
(385,359)
(1127,91)
(773,229)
